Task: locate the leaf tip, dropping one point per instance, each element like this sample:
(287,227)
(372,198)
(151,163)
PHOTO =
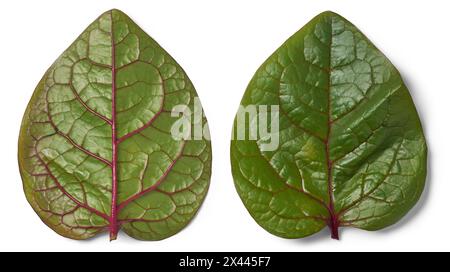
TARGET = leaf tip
(115,11)
(329,14)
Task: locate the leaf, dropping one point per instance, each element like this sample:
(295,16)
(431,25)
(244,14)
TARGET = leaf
(351,149)
(95,149)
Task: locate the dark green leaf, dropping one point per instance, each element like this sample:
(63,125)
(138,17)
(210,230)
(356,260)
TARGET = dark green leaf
(95,149)
(352,152)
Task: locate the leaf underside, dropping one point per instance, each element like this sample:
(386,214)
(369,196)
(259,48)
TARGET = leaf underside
(352,151)
(95,149)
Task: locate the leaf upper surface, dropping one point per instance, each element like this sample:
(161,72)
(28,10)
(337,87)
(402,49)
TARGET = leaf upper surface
(95,149)
(352,150)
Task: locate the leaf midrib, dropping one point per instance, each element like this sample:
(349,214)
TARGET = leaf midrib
(333,220)
(113,227)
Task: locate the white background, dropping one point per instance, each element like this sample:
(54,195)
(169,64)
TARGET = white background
(220,44)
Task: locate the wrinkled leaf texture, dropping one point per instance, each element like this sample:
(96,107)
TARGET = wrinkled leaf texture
(95,150)
(352,151)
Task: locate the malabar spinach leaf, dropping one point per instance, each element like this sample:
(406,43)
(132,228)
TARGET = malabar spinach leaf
(95,149)
(351,148)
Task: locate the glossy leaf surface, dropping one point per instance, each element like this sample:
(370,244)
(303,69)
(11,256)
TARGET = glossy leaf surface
(352,151)
(96,152)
